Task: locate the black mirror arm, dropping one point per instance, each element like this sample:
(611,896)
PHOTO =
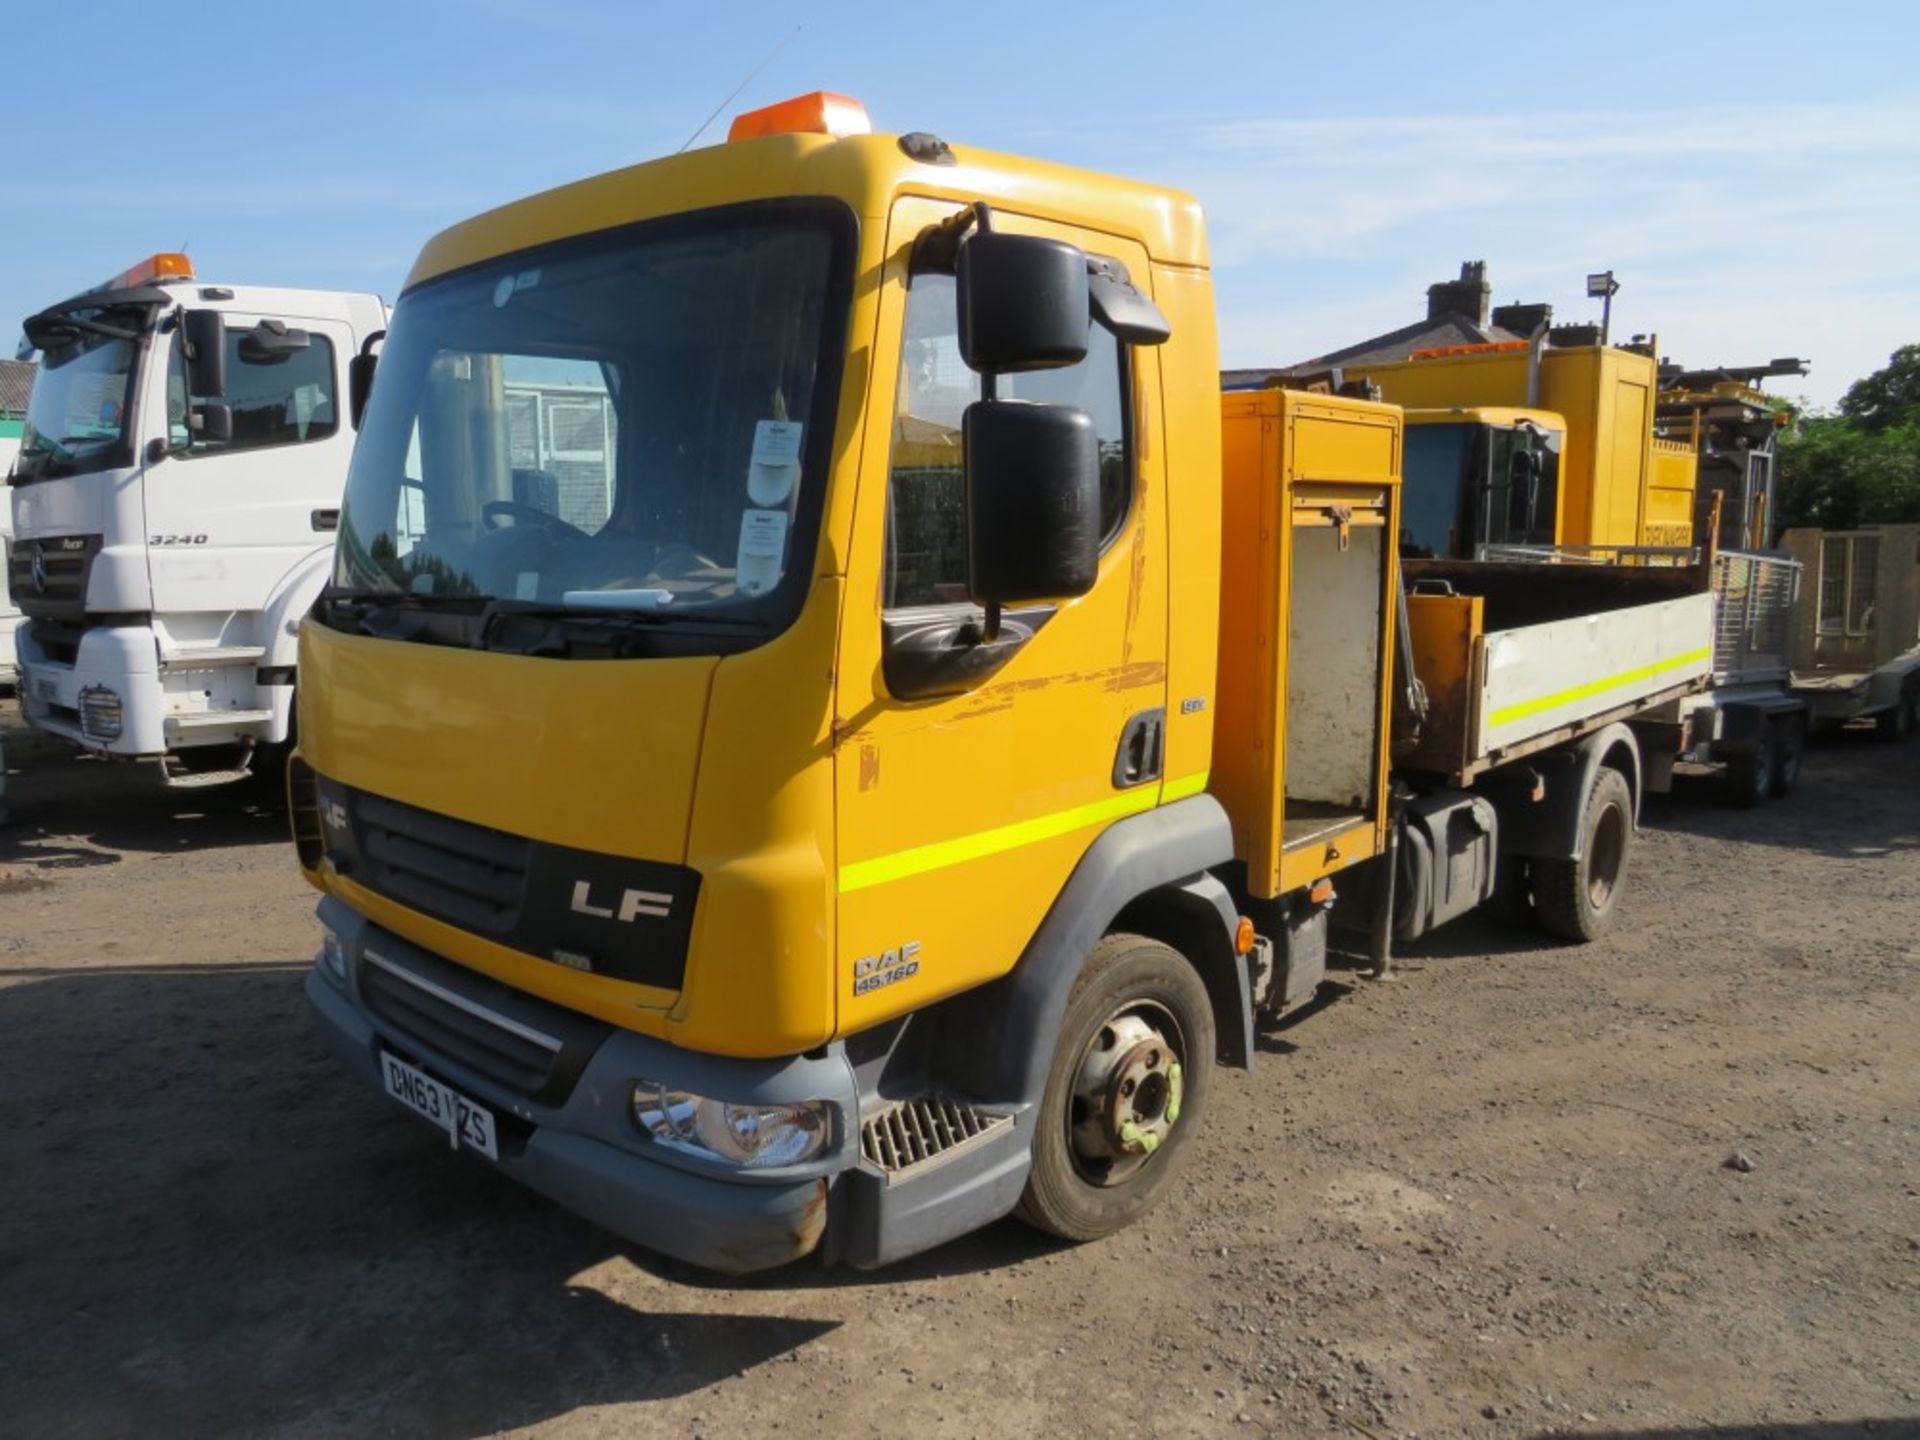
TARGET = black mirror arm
(1119,305)
(927,654)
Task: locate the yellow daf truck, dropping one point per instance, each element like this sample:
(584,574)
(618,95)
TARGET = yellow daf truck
(849,766)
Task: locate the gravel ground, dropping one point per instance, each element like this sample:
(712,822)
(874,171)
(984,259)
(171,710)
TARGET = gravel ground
(1490,1198)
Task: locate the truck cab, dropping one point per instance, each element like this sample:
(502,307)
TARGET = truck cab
(1479,475)
(174,503)
(826,724)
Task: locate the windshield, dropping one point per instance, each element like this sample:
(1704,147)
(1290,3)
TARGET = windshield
(77,412)
(636,421)
(1522,497)
(1434,511)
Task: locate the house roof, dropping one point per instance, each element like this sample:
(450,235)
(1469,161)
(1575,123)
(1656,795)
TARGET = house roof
(16,383)
(1394,345)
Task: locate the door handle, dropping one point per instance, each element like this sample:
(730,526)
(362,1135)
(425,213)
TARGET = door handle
(1143,749)
(326,519)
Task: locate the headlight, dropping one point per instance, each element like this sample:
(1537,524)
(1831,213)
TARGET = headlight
(754,1137)
(333,957)
(99,713)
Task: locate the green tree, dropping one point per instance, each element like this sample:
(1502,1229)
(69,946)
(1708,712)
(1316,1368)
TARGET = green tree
(1859,465)
(1889,397)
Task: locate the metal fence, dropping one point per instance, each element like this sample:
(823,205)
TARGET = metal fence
(1754,597)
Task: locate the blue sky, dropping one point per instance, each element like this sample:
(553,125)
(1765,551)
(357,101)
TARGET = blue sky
(1752,175)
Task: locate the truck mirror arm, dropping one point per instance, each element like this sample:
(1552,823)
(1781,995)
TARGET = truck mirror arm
(929,653)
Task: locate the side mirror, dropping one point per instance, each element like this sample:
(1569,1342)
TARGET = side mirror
(1033,501)
(205,334)
(271,342)
(360,377)
(1023,302)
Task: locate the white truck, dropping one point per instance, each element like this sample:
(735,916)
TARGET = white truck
(16,381)
(174,502)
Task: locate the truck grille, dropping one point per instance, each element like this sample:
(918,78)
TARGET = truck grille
(47,576)
(612,915)
(440,1012)
(466,875)
(916,1131)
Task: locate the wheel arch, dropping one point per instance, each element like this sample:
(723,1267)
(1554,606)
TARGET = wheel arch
(1552,829)
(1151,868)
(1199,919)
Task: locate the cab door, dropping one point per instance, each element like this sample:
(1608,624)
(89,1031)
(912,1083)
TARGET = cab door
(964,804)
(226,521)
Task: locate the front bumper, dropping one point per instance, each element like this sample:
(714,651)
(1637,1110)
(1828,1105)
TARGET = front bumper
(582,1149)
(122,658)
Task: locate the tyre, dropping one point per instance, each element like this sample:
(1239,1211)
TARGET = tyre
(1789,741)
(1576,899)
(1126,1091)
(1750,777)
(1900,721)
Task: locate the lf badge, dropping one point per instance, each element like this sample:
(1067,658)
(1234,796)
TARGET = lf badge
(871,972)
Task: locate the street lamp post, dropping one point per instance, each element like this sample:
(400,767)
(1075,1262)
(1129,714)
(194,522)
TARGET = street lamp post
(1605,287)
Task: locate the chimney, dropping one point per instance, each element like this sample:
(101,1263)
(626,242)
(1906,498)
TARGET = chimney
(1522,320)
(1466,298)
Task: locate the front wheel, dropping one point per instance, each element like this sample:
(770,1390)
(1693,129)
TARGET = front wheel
(1576,899)
(1126,1090)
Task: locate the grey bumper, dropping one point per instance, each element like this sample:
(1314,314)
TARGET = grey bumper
(583,1151)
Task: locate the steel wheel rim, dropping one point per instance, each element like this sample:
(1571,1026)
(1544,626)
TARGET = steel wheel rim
(1126,1098)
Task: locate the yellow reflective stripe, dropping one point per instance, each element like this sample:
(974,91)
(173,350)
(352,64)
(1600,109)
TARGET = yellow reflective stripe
(1180,789)
(878,871)
(1524,708)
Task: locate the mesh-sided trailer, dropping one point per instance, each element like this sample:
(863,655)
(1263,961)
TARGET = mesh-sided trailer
(1746,718)
(1855,649)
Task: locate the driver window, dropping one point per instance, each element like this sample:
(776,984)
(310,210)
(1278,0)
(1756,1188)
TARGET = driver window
(926,502)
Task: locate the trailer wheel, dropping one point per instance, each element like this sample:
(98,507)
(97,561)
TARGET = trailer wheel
(1751,778)
(1575,899)
(1789,740)
(1903,719)
(1126,1091)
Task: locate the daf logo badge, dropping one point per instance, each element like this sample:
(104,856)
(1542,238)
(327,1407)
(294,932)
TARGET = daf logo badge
(39,567)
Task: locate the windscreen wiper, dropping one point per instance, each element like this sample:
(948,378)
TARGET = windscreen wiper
(500,613)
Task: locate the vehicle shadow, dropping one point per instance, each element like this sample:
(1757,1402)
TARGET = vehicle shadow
(1858,798)
(73,812)
(211,1231)
(1901,1428)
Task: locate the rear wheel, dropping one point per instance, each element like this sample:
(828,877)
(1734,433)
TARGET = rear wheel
(1789,740)
(1750,778)
(1576,899)
(1126,1091)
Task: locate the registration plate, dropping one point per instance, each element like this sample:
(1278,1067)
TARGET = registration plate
(465,1122)
(47,688)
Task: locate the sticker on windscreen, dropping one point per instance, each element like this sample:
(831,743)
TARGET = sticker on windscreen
(763,544)
(774,467)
